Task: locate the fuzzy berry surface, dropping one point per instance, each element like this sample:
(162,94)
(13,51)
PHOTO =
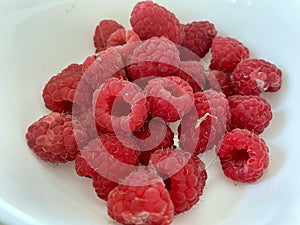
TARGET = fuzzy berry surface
(53,138)
(141,199)
(155,57)
(149,19)
(121,37)
(120,106)
(185,176)
(255,76)
(82,167)
(107,64)
(244,156)
(250,112)
(89,61)
(107,153)
(103,32)
(154,135)
(101,184)
(90,126)
(220,81)
(203,126)
(124,42)
(170,98)
(226,53)
(107,160)
(198,37)
(192,72)
(66,89)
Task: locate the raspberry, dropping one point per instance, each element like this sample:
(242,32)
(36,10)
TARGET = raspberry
(154,135)
(107,159)
(82,168)
(107,64)
(198,37)
(117,38)
(103,32)
(243,155)
(254,76)
(89,61)
(156,57)
(101,184)
(249,112)
(126,42)
(185,176)
(169,98)
(149,19)
(89,125)
(54,139)
(192,72)
(227,53)
(120,106)
(141,199)
(121,37)
(66,89)
(203,126)
(220,82)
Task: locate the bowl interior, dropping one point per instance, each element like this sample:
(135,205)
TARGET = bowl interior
(40,39)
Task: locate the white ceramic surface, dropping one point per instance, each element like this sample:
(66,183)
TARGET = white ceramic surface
(39,38)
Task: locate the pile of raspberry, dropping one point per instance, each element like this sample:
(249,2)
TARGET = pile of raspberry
(112,114)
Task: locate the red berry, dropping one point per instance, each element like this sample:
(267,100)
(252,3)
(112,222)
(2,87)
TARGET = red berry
(220,81)
(149,19)
(185,176)
(169,98)
(154,135)
(117,38)
(243,155)
(109,151)
(198,37)
(249,112)
(192,72)
(121,37)
(107,64)
(89,61)
(89,125)
(108,159)
(65,90)
(101,184)
(141,199)
(54,139)
(103,32)
(126,42)
(203,126)
(82,167)
(132,37)
(254,76)
(227,53)
(120,106)
(155,57)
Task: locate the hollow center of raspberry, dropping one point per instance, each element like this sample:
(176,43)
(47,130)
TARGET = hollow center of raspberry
(239,157)
(120,107)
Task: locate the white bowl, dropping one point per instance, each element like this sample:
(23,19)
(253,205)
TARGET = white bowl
(39,38)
